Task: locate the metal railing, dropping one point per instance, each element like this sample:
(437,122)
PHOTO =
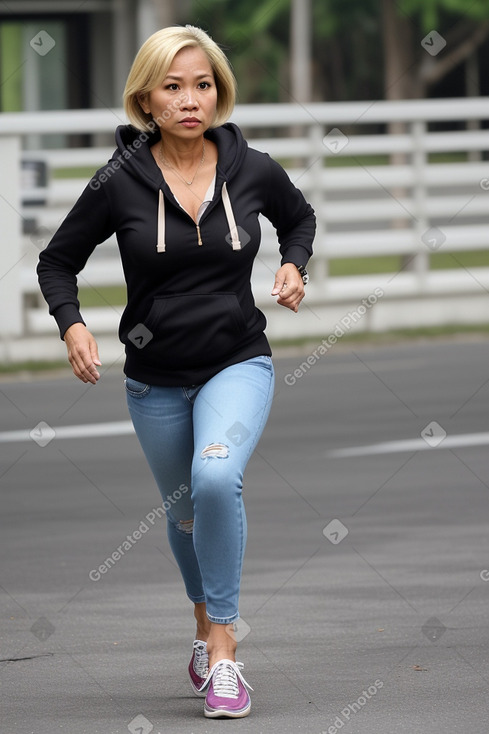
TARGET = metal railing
(407,195)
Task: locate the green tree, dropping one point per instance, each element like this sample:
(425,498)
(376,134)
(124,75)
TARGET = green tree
(361,49)
(411,66)
(256,37)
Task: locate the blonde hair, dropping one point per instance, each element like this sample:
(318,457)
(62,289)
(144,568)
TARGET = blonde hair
(153,61)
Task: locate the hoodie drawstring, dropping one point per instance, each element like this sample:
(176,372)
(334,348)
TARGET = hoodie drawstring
(160,241)
(233,229)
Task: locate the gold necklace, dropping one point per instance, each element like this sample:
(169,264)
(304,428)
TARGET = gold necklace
(165,163)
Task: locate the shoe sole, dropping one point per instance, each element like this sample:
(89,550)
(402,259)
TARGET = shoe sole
(219,713)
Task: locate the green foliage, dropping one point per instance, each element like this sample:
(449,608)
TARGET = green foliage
(256,38)
(347,44)
(432,12)
(10,61)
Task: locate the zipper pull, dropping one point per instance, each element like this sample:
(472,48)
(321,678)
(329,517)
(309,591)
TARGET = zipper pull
(199,238)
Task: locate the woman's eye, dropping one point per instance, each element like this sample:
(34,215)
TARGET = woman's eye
(172,87)
(204,85)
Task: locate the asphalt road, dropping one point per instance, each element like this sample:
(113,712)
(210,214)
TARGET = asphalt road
(365,591)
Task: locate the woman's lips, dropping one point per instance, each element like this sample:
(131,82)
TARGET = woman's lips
(191,122)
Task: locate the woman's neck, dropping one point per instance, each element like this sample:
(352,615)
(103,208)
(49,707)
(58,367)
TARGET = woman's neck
(181,153)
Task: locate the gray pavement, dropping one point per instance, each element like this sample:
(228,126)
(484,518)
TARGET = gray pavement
(365,591)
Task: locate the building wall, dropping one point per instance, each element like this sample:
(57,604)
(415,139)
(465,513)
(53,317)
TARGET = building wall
(69,55)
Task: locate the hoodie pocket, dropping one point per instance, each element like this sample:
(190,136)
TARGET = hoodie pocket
(193,329)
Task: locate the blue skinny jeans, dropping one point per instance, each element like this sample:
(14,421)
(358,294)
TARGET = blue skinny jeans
(197,441)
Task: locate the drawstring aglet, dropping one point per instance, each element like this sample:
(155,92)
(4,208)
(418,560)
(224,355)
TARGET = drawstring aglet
(199,238)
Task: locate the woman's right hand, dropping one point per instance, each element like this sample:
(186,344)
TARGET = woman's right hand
(82,353)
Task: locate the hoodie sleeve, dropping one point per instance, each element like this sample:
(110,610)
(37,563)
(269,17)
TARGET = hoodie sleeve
(291,215)
(88,224)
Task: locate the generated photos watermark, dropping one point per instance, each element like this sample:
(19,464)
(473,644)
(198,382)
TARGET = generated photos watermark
(42,434)
(130,541)
(335,531)
(238,630)
(140,725)
(335,141)
(351,709)
(433,629)
(433,434)
(42,629)
(433,43)
(42,43)
(341,328)
(434,238)
(116,163)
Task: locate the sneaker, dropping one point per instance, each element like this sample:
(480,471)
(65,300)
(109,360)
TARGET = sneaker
(199,667)
(226,691)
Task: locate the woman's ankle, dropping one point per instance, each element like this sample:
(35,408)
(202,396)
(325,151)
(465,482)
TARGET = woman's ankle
(221,653)
(221,643)
(203,623)
(202,634)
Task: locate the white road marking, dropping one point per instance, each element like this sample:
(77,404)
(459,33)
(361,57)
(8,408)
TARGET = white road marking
(413,444)
(87,430)
(125,428)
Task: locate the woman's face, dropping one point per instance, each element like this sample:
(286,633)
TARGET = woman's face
(184,104)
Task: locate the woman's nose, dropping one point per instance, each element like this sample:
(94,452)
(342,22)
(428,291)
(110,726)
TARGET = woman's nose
(190,101)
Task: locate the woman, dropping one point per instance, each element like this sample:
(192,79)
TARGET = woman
(183,193)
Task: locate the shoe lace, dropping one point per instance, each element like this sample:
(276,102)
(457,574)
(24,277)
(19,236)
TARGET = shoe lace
(225,676)
(201,659)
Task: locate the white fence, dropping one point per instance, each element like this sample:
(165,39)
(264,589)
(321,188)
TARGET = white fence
(409,195)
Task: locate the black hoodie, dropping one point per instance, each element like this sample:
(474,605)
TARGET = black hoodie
(190,310)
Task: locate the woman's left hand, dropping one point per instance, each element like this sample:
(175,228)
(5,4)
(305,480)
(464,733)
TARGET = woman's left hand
(288,287)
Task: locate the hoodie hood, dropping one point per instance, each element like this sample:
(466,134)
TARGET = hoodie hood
(232,148)
(133,152)
(133,148)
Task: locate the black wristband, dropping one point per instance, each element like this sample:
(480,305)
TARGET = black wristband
(304,274)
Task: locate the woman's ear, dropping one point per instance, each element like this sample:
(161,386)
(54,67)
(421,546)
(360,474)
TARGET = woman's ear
(142,98)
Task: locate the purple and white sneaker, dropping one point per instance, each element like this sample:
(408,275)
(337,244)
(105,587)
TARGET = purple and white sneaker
(199,667)
(226,691)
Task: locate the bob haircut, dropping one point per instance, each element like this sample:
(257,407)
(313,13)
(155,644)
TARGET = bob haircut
(153,61)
